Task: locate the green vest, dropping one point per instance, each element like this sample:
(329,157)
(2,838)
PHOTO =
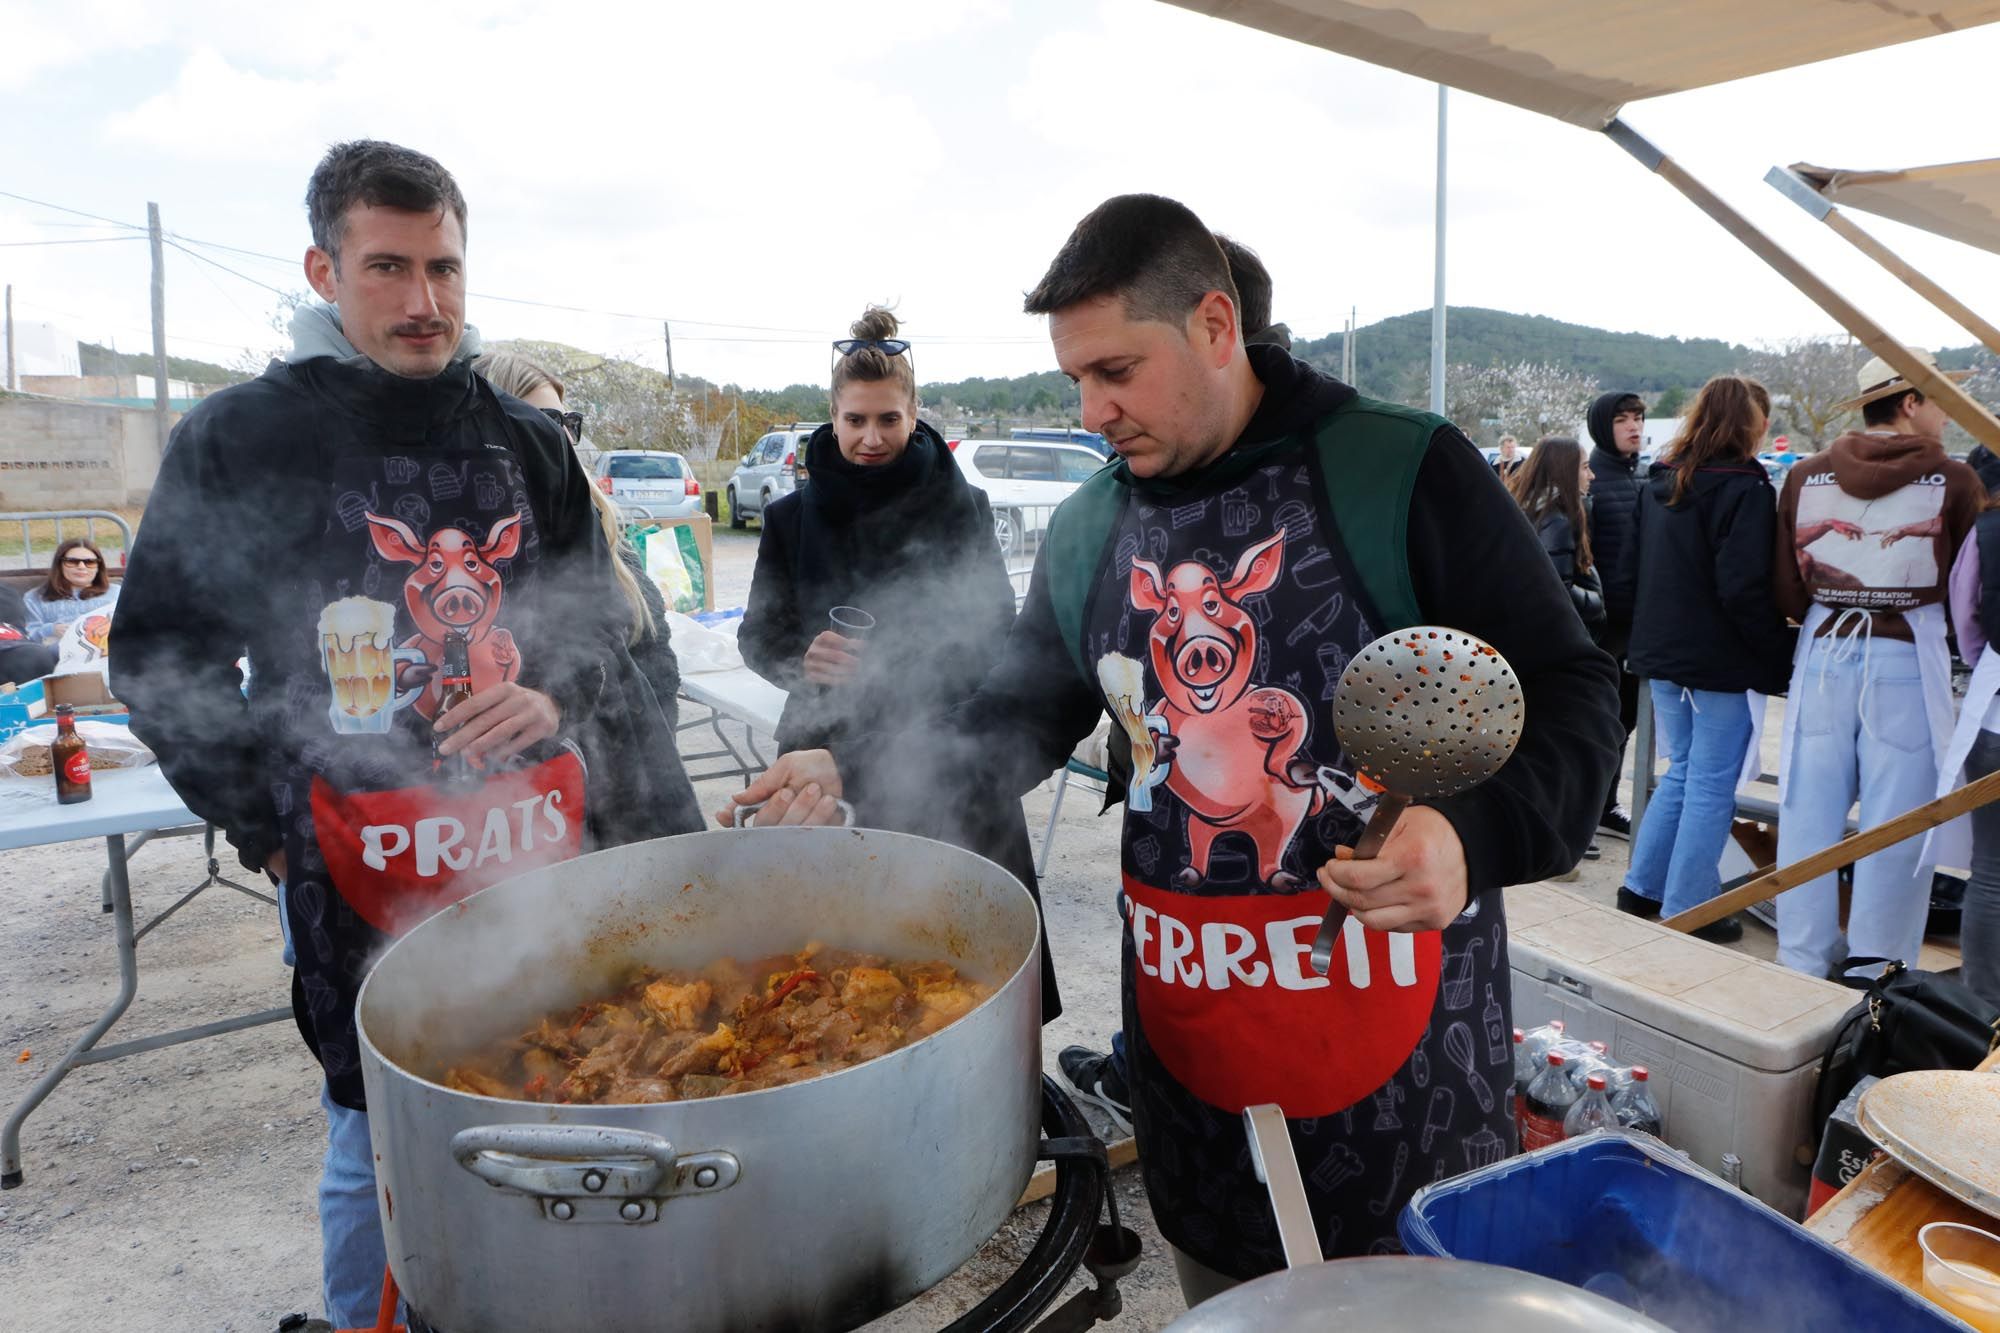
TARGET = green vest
(1369,456)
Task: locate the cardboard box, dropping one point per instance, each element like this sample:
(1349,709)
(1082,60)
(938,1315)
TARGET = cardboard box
(704,540)
(1843,1149)
(84,691)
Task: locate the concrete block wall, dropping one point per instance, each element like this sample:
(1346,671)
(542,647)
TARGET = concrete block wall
(56,454)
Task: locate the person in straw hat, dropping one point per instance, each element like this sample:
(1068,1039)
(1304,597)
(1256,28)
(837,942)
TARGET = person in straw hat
(1867,532)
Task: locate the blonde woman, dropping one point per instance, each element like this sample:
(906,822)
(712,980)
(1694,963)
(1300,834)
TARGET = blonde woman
(639,787)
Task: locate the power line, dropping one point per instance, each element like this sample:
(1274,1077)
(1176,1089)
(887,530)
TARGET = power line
(74,240)
(43,203)
(193,254)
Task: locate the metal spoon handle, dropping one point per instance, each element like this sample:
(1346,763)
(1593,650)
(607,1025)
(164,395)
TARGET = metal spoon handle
(1388,809)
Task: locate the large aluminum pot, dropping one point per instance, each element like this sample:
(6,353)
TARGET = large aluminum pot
(813,1206)
(1404,1293)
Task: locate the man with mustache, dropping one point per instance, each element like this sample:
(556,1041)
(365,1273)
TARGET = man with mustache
(1262,524)
(358,521)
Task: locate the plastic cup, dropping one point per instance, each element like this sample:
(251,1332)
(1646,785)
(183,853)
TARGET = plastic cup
(851,622)
(1962,1272)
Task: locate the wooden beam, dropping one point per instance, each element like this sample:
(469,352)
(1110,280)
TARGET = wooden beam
(1801,191)
(1978,422)
(1851,849)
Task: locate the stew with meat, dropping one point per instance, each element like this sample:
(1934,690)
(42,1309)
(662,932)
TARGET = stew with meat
(732,1027)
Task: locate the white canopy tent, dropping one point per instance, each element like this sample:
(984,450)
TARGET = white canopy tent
(1581,61)
(1959,200)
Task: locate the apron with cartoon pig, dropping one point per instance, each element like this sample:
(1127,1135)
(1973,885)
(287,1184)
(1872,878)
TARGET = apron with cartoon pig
(415,545)
(1233,615)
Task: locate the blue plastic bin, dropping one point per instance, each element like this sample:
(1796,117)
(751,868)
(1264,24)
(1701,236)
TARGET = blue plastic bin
(1626,1217)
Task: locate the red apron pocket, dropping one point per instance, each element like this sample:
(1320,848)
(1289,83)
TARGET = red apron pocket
(398,856)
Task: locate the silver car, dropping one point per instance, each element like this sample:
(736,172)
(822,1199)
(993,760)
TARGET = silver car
(649,482)
(768,469)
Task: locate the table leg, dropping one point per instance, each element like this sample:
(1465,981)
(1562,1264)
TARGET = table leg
(120,886)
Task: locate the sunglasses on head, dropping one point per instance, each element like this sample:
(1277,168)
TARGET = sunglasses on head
(81,560)
(571,422)
(888,346)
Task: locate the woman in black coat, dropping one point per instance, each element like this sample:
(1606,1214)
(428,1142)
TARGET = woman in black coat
(887,526)
(1553,490)
(1706,631)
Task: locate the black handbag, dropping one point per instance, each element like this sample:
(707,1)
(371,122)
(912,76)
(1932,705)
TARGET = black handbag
(1908,1020)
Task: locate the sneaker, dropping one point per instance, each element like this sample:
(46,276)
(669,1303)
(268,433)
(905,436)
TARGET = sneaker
(1097,1079)
(1615,823)
(1591,853)
(1726,931)
(1638,904)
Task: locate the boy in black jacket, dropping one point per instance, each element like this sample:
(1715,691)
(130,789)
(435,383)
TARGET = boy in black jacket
(1617,423)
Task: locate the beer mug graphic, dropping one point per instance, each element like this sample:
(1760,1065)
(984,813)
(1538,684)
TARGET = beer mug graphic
(357,648)
(1124,683)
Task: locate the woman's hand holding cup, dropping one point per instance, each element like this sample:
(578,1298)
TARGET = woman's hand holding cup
(831,659)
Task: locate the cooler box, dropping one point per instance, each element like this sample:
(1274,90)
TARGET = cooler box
(1733,1043)
(1624,1217)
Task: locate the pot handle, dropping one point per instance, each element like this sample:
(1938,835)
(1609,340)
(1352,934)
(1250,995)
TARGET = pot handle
(1277,1166)
(565,1165)
(738,814)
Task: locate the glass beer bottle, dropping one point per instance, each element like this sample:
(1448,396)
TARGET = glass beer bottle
(71,759)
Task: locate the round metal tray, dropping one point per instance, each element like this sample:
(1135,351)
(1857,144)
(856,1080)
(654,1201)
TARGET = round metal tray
(1943,1124)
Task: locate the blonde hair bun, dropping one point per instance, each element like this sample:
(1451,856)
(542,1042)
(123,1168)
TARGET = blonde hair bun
(875,322)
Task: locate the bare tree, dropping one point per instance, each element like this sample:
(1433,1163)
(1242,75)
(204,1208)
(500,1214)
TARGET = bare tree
(1528,399)
(253,359)
(1808,379)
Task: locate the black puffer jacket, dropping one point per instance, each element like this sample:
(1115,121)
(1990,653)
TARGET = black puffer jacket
(1586,592)
(1707,619)
(1615,482)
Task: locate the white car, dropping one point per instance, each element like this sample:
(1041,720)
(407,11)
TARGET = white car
(1024,481)
(769,470)
(650,482)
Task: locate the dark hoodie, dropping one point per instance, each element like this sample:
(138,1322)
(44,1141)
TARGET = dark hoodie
(1705,618)
(1387,1085)
(1874,522)
(1615,480)
(911,543)
(1983,461)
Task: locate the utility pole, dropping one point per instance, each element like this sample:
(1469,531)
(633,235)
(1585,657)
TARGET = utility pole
(13,385)
(1437,299)
(159,327)
(667,330)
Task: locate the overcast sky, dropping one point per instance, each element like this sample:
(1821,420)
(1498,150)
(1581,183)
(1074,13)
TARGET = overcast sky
(758,172)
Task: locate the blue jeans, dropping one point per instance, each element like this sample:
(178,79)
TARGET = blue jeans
(352,1253)
(1680,841)
(1883,758)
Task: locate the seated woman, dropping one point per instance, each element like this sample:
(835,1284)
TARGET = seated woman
(78,584)
(888,527)
(639,788)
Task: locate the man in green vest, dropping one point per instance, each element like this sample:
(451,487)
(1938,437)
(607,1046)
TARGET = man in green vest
(1261,524)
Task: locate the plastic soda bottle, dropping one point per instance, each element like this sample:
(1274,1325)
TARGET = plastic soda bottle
(1549,1098)
(1634,1105)
(1591,1112)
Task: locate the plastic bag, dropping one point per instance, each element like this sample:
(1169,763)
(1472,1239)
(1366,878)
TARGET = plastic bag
(700,648)
(111,746)
(86,644)
(673,561)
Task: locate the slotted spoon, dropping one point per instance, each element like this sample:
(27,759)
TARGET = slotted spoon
(1423,713)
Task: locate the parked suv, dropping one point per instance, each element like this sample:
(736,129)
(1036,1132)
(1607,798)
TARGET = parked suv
(767,470)
(1024,481)
(661,484)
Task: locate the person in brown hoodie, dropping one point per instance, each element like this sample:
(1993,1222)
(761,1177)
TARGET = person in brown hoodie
(1867,532)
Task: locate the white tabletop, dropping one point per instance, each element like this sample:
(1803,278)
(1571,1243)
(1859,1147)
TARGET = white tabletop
(741,693)
(122,801)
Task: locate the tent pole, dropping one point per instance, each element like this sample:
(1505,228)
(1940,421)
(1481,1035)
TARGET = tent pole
(1977,421)
(1437,282)
(1797,189)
